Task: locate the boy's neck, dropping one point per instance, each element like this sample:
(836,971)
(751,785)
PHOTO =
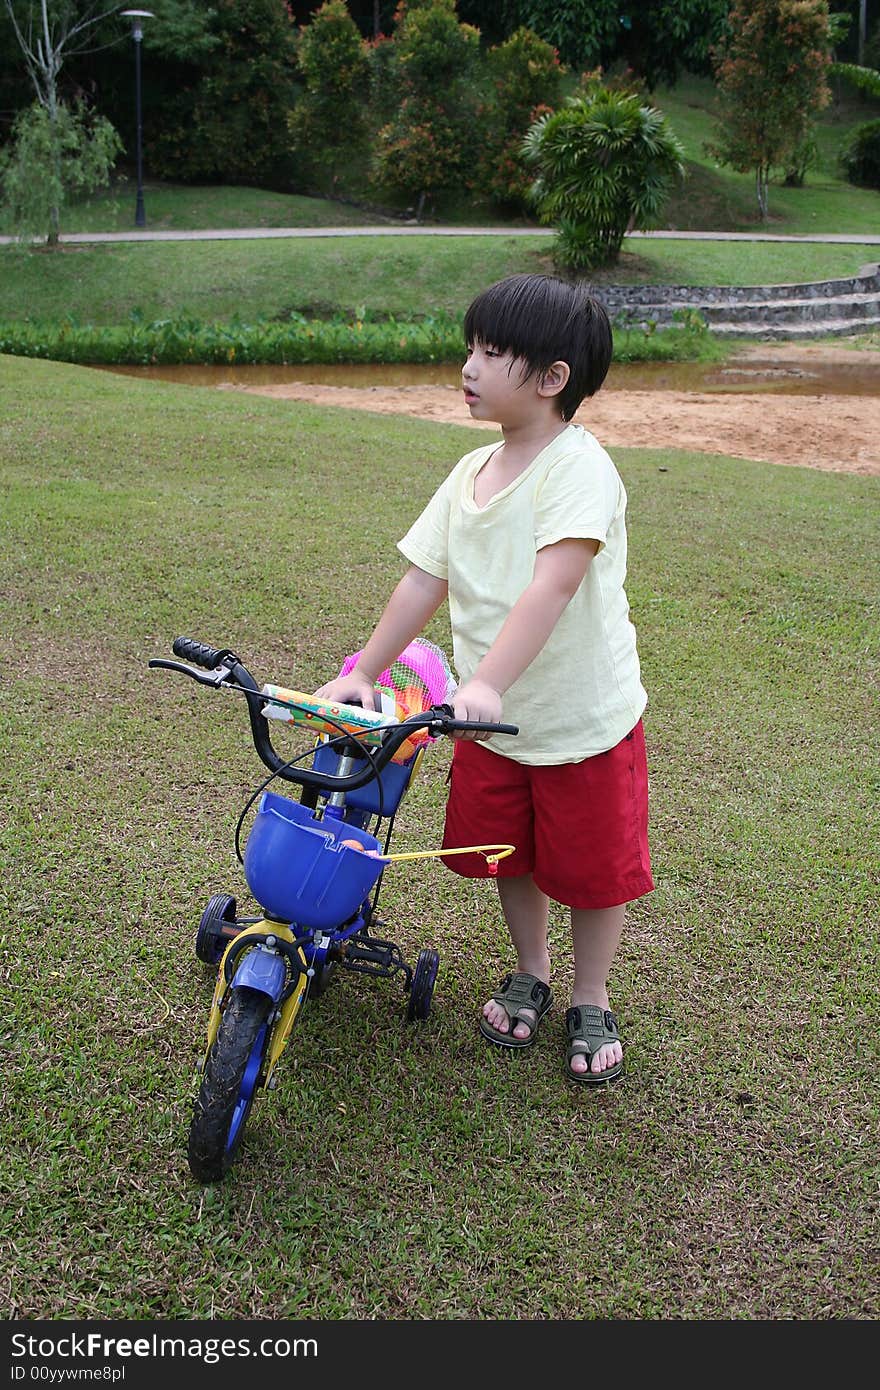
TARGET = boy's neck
(525,440)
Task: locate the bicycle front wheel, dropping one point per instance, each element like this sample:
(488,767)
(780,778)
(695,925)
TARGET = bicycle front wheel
(229,1084)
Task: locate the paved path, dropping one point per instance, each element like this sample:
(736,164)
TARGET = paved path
(267,233)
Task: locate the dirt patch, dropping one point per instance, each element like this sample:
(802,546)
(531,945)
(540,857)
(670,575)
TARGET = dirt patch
(837,433)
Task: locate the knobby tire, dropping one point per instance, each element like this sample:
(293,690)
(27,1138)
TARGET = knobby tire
(211,1154)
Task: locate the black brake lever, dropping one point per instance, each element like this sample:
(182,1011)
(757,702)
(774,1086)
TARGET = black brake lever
(215,678)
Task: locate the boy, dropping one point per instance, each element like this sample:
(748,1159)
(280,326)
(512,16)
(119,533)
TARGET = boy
(527,540)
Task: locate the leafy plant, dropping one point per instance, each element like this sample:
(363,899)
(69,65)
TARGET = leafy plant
(332,59)
(423,149)
(860,155)
(184,339)
(772,71)
(54,156)
(605,163)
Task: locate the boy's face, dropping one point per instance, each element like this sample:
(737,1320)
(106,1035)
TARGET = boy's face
(499,387)
(494,386)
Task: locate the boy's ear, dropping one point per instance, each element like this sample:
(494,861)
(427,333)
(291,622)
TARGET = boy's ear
(554,379)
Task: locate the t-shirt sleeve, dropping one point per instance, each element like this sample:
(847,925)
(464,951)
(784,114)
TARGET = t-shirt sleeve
(426,543)
(578,499)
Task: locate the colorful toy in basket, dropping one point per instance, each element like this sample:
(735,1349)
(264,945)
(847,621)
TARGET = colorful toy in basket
(418,679)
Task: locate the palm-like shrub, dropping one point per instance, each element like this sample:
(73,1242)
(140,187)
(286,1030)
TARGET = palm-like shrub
(605,163)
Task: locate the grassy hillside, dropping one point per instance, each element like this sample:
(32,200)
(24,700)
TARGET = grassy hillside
(715,198)
(381,276)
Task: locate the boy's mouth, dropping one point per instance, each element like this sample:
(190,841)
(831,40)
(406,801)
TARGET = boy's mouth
(469,395)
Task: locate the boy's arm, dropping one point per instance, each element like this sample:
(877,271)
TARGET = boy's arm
(414,601)
(559,571)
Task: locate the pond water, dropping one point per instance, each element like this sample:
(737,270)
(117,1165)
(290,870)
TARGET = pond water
(823,377)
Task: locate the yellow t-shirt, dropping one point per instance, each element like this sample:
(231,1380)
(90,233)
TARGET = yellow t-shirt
(583,691)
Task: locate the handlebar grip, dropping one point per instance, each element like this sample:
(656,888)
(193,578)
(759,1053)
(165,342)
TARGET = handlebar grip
(199,653)
(454,724)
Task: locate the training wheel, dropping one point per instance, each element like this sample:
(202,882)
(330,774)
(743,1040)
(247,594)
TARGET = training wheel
(211,939)
(422,987)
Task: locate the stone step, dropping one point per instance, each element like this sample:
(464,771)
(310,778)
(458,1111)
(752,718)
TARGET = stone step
(851,306)
(863,308)
(619,296)
(819,308)
(804,331)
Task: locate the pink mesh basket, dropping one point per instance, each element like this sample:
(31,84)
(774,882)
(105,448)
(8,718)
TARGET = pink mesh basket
(419,678)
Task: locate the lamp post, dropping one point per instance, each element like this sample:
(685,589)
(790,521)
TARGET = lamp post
(137,18)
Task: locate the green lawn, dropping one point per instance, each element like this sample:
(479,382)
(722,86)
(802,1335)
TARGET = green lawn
(185,207)
(215,280)
(400,1171)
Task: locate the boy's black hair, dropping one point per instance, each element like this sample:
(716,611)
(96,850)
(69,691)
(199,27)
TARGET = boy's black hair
(543,320)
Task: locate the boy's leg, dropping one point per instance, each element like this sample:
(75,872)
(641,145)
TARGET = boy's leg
(526,911)
(595,936)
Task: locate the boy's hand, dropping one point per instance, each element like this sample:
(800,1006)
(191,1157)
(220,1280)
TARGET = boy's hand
(477,700)
(353,689)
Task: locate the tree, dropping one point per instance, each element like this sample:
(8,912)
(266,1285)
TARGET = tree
(655,39)
(605,163)
(658,38)
(772,77)
(584,32)
(227,118)
(425,148)
(526,81)
(56,149)
(52,158)
(50,31)
(328,123)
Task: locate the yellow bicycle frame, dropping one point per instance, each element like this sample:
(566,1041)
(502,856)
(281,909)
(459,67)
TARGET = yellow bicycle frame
(281,1028)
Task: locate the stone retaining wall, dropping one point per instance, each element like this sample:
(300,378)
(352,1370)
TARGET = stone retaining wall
(846,305)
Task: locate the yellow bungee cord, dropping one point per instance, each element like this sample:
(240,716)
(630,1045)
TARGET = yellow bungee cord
(493,854)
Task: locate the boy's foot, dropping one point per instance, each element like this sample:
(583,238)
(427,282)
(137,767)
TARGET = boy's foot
(594,1051)
(511,1016)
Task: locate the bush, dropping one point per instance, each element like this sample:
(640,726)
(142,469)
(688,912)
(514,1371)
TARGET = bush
(860,155)
(526,81)
(51,160)
(605,163)
(333,62)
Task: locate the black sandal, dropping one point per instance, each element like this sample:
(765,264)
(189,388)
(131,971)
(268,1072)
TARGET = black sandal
(519,992)
(589,1028)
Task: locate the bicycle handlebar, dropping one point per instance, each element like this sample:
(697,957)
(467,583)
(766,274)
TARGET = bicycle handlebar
(200,652)
(229,672)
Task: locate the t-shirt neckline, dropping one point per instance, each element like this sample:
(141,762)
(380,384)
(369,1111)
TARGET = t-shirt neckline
(469,498)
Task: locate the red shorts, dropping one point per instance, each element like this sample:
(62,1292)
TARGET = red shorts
(581,829)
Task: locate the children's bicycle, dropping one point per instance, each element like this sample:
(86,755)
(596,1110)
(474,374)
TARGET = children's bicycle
(314,866)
